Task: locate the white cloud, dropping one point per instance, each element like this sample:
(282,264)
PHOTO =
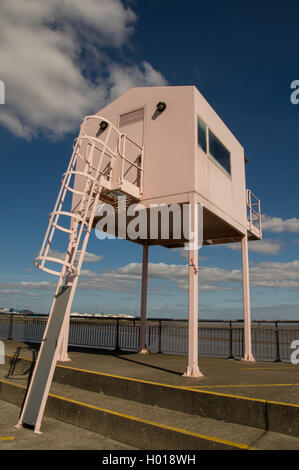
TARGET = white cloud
(43,43)
(122,79)
(278,225)
(91,257)
(107,17)
(265,247)
(277,275)
(88,257)
(127,278)
(21,287)
(87,273)
(265,274)
(185,254)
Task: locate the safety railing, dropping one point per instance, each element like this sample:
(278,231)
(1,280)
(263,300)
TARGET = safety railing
(100,159)
(254,216)
(271,340)
(129,166)
(116,145)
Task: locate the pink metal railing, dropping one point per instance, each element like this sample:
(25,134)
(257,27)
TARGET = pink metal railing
(254,212)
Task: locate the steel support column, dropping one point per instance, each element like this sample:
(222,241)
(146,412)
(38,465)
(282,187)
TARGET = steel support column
(192,368)
(246,301)
(142,327)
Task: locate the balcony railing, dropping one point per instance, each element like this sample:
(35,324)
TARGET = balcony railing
(254,215)
(271,340)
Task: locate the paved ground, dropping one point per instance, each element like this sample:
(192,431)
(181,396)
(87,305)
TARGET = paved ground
(277,382)
(274,381)
(59,436)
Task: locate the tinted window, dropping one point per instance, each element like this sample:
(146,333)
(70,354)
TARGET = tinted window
(202,135)
(219,152)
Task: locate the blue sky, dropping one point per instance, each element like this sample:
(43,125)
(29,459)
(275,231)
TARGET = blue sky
(62,60)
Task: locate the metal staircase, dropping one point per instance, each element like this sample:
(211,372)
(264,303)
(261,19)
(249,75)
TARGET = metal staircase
(103,161)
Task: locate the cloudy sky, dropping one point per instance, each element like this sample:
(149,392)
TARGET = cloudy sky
(62,59)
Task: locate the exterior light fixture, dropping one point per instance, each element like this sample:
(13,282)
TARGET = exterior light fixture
(103,125)
(160,106)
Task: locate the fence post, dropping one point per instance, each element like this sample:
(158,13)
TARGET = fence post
(117,348)
(149,338)
(160,336)
(242,341)
(230,355)
(277,359)
(10,327)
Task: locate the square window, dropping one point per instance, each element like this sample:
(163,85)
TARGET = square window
(219,153)
(202,135)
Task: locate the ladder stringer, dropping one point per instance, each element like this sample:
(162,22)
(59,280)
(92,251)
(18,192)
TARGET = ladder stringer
(42,377)
(100,163)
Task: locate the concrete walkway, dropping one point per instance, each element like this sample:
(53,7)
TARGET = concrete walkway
(59,436)
(263,380)
(236,404)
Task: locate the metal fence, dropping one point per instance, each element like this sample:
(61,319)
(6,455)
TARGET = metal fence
(271,340)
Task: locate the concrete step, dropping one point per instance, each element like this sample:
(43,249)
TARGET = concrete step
(252,412)
(58,436)
(145,426)
(239,410)
(156,415)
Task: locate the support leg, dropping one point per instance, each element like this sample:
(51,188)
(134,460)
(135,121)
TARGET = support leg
(246,301)
(142,331)
(192,368)
(63,351)
(41,380)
